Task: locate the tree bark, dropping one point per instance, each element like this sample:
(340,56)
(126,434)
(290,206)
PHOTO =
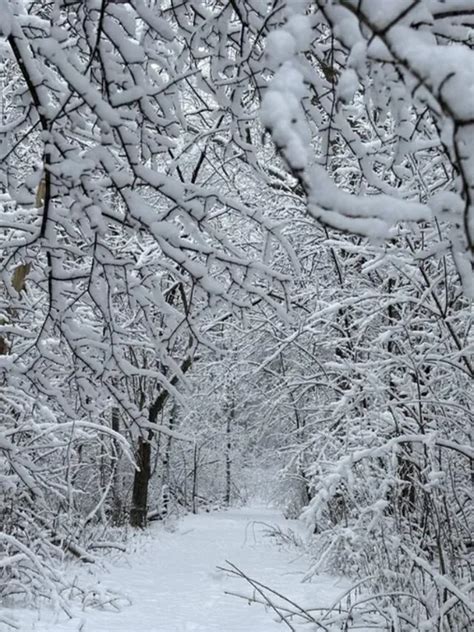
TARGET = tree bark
(141,479)
(195,478)
(228,456)
(117,500)
(139,510)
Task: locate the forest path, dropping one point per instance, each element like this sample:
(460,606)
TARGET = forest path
(174,585)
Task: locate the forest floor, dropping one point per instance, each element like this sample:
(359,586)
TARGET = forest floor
(171,582)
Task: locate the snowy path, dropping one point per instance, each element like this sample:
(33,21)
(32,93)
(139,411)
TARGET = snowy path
(174,586)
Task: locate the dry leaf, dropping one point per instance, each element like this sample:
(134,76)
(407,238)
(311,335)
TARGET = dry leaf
(19,276)
(40,193)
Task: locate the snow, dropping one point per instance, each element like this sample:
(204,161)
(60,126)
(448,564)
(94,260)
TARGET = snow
(301,28)
(53,52)
(372,215)
(281,110)
(6,21)
(280,46)
(448,70)
(174,584)
(348,84)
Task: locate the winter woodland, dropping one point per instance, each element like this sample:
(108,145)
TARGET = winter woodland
(237,249)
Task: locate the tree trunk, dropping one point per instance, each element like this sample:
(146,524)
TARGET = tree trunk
(228,460)
(169,443)
(228,454)
(195,478)
(139,509)
(117,500)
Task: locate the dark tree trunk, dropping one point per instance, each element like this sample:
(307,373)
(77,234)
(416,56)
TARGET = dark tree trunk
(168,447)
(139,509)
(117,499)
(228,458)
(195,478)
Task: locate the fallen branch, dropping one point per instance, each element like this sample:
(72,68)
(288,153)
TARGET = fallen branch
(260,588)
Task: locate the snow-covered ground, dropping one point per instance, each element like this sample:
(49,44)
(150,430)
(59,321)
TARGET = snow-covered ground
(173,583)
